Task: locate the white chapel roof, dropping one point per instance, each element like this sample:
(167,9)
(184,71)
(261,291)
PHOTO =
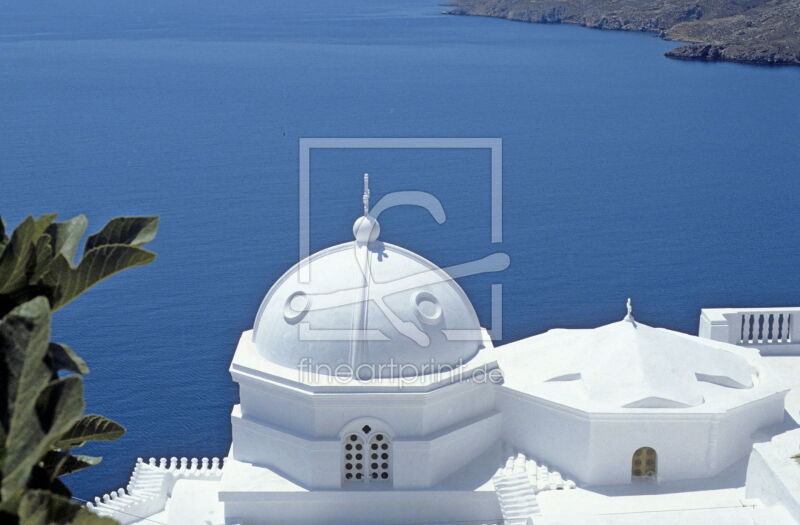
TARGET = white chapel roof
(369,307)
(628,365)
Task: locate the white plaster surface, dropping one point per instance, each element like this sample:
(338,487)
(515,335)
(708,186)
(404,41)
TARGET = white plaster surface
(628,364)
(718,516)
(720,499)
(586,400)
(787,368)
(570,408)
(773,474)
(367,305)
(195,501)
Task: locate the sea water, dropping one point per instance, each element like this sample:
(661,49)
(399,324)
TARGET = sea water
(624,174)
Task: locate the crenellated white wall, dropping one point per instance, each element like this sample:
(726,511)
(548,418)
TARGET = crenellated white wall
(151,485)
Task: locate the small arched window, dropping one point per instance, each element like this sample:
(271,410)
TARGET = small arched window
(644,464)
(366,456)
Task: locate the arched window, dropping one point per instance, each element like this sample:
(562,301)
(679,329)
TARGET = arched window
(366,456)
(644,464)
(379,457)
(353,464)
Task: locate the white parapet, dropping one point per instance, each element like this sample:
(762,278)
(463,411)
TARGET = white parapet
(773,331)
(150,486)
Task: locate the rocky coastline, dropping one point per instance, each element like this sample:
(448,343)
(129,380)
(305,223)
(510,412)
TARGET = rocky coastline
(750,31)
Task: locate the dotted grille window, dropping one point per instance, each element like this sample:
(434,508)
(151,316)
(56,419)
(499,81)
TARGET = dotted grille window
(644,463)
(366,456)
(353,457)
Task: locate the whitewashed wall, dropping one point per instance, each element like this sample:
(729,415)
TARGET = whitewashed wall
(320,414)
(597,449)
(548,432)
(298,433)
(740,425)
(773,475)
(367,508)
(681,442)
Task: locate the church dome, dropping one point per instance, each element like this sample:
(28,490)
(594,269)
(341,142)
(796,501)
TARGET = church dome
(369,309)
(628,364)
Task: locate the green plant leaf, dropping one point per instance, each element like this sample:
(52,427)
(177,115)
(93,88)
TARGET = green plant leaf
(42,223)
(65,358)
(78,462)
(96,265)
(24,334)
(44,476)
(43,256)
(58,407)
(61,462)
(41,412)
(133,231)
(66,235)
(3,236)
(39,507)
(91,427)
(16,256)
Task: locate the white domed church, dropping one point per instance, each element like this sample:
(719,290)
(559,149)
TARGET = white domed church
(370,394)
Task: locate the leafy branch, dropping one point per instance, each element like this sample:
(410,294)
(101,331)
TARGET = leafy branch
(41,385)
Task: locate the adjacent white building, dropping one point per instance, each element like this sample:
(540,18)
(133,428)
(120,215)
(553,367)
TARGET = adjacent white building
(624,401)
(369,394)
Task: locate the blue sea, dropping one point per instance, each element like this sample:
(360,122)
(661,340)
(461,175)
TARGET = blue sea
(625,174)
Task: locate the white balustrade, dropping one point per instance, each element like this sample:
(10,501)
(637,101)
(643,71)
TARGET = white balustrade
(772,330)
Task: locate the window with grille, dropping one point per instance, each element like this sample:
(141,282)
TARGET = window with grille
(644,464)
(366,456)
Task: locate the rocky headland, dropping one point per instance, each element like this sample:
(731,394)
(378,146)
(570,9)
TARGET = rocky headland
(751,31)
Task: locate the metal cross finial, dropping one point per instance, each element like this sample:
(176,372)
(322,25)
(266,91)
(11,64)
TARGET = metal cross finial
(365,197)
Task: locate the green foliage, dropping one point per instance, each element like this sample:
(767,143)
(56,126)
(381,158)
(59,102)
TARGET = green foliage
(40,507)
(91,427)
(37,259)
(41,384)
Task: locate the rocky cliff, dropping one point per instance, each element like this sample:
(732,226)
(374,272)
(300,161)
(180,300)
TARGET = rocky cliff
(753,31)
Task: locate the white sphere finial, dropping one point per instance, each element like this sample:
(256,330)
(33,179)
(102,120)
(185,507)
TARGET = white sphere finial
(366,229)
